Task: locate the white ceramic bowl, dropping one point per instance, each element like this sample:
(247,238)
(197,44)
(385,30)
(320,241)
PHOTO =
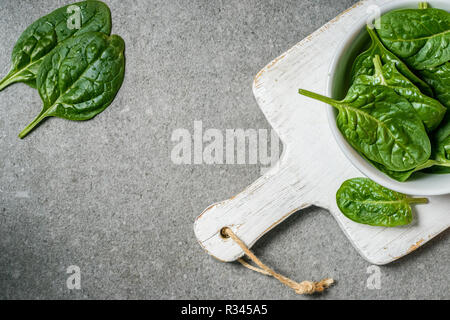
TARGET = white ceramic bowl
(357,37)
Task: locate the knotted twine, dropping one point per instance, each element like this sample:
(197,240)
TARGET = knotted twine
(305,287)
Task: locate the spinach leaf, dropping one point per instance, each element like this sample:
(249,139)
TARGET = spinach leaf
(403,176)
(438,165)
(443,143)
(45,33)
(381,125)
(80,77)
(441,148)
(363,64)
(439,80)
(429,110)
(439,162)
(365,201)
(439,168)
(420,37)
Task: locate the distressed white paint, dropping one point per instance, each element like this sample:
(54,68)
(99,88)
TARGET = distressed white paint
(312,167)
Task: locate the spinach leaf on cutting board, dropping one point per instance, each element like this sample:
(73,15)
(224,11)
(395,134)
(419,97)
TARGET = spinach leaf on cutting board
(429,110)
(420,37)
(365,201)
(363,64)
(80,77)
(381,125)
(39,39)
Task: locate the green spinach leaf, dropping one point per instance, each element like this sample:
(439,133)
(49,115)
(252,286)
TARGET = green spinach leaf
(439,80)
(39,39)
(363,64)
(366,202)
(381,125)
(80,77)
(429,110)
(441,148)
(443,143)
(439,162)
(420,37)
(402,176)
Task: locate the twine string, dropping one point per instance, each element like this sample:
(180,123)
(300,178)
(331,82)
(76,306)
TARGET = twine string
(305,287)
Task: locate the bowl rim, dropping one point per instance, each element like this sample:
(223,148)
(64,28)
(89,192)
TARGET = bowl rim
(352,155)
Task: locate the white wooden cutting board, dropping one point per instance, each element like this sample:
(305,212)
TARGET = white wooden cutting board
(312,167)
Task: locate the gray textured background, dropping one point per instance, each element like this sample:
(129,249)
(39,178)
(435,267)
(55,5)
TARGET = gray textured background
(104,194)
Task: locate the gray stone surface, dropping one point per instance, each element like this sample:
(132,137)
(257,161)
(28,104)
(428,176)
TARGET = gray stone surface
(105,196)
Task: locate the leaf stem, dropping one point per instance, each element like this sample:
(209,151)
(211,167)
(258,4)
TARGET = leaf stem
(443,164)
(374,37)
(6,81)
(319,97)
(433,163)
(423,5)
(377,63)
(417,200)
(428,164)
(379,69)
(32,125)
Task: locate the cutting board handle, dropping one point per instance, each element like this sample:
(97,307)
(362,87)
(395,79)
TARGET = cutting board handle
(250,214)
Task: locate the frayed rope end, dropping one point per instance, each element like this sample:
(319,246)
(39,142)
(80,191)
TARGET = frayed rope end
(310,287)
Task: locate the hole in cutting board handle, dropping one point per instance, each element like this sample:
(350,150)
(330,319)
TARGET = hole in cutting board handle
(223,233)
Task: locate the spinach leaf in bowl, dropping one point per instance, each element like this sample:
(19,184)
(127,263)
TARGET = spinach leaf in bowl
(439,162)
(363,64)
(42,36)
(402,176)
(438,79)
(80,77)
(441,148)
(429,110)
(381,125)
(420,37)
(442,137)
